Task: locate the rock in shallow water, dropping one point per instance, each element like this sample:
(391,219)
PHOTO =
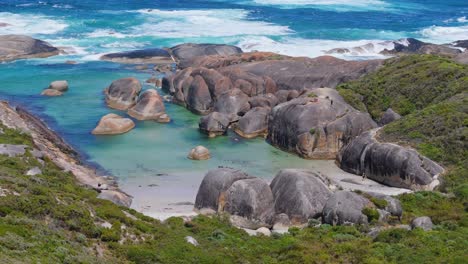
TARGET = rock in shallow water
(13,47)
(61,86)
(214,124)
(51,93)
(254,123)
(123,93)
(150,106)
(199,153)
(112,124)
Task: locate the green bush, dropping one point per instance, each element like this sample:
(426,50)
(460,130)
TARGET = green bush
(371,213)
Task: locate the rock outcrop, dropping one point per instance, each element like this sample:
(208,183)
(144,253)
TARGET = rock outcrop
(112,124)
(214,124)
(212,191)
(300,194)
(147,56)
(250,203)
(199,153)
(254,123)
(345,207)
(150,106)
(123,93)
(316,125)
(14,47)
(184,53)
(388,117)
(388,163)
(423,222)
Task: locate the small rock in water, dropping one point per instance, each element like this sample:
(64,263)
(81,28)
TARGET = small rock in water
(34,171)
(199,153)
(191,240)
(51,92)
(60,86)
(112,124)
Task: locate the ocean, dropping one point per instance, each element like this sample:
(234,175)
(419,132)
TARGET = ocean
(150,161)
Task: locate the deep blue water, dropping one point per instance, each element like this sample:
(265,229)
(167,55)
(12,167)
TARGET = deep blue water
(89,28)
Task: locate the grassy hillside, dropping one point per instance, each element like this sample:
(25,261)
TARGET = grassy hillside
(407,84)
(49,218)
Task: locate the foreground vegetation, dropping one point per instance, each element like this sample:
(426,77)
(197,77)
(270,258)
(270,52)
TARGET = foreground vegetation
(49,218)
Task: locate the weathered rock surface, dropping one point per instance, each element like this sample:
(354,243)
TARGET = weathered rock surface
(34,171)
(254,123)
(184,53)
(112,124)
(250,203)
(460,44)
(388,163)
(153,55)
(423,222)
(199,153)
(232,103)
(14,47)
(116,197)
(61,86)
(300,194)
(214,124)
(316,125)
(51,92)
(123,93)
(267,100)
(12,150)
(345,207)
(393,205)
(388,117)
(150,106)
(212,191)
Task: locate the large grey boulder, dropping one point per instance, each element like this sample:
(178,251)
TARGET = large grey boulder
(423,222)
(345,207)
(123,93)
(153,56)
(112,124)
(184,53)
(300,194)
(388,163)
(254,123)
(388,117)
(264,100)
(150,106)
(212,191)
(198,99)
(233,103)
(316,125)
(250,203)
(13,47)
(214,124)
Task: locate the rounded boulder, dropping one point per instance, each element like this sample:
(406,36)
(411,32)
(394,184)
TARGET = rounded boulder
(112,124)
(123,93)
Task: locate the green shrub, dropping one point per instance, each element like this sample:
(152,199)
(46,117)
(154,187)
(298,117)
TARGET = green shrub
(371,213)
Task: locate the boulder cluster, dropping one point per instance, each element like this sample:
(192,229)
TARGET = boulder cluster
(295,197)
(56,88)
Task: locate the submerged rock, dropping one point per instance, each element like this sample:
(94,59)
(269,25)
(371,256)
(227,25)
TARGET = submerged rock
(250,203)
(316,125)
(212,191)
(150,106)
(123,93)
(13,47)
(214,124)
(112,124)
(388,163)
(254,123)
(199,153)
(51,92)
(345,207)
(300,194)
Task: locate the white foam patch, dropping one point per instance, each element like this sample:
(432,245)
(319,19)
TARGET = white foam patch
(359,49)
(439,35)
(125,45)
(462,19)
(105,33)
(336,5)
(204,23)
(29,24)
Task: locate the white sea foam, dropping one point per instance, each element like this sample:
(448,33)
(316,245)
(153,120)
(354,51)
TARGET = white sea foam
(125,45)
(335,5)
(105,33)
(62,6)
(204,23)
(439,34)
(367,49)
(462,19)
(30,24)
